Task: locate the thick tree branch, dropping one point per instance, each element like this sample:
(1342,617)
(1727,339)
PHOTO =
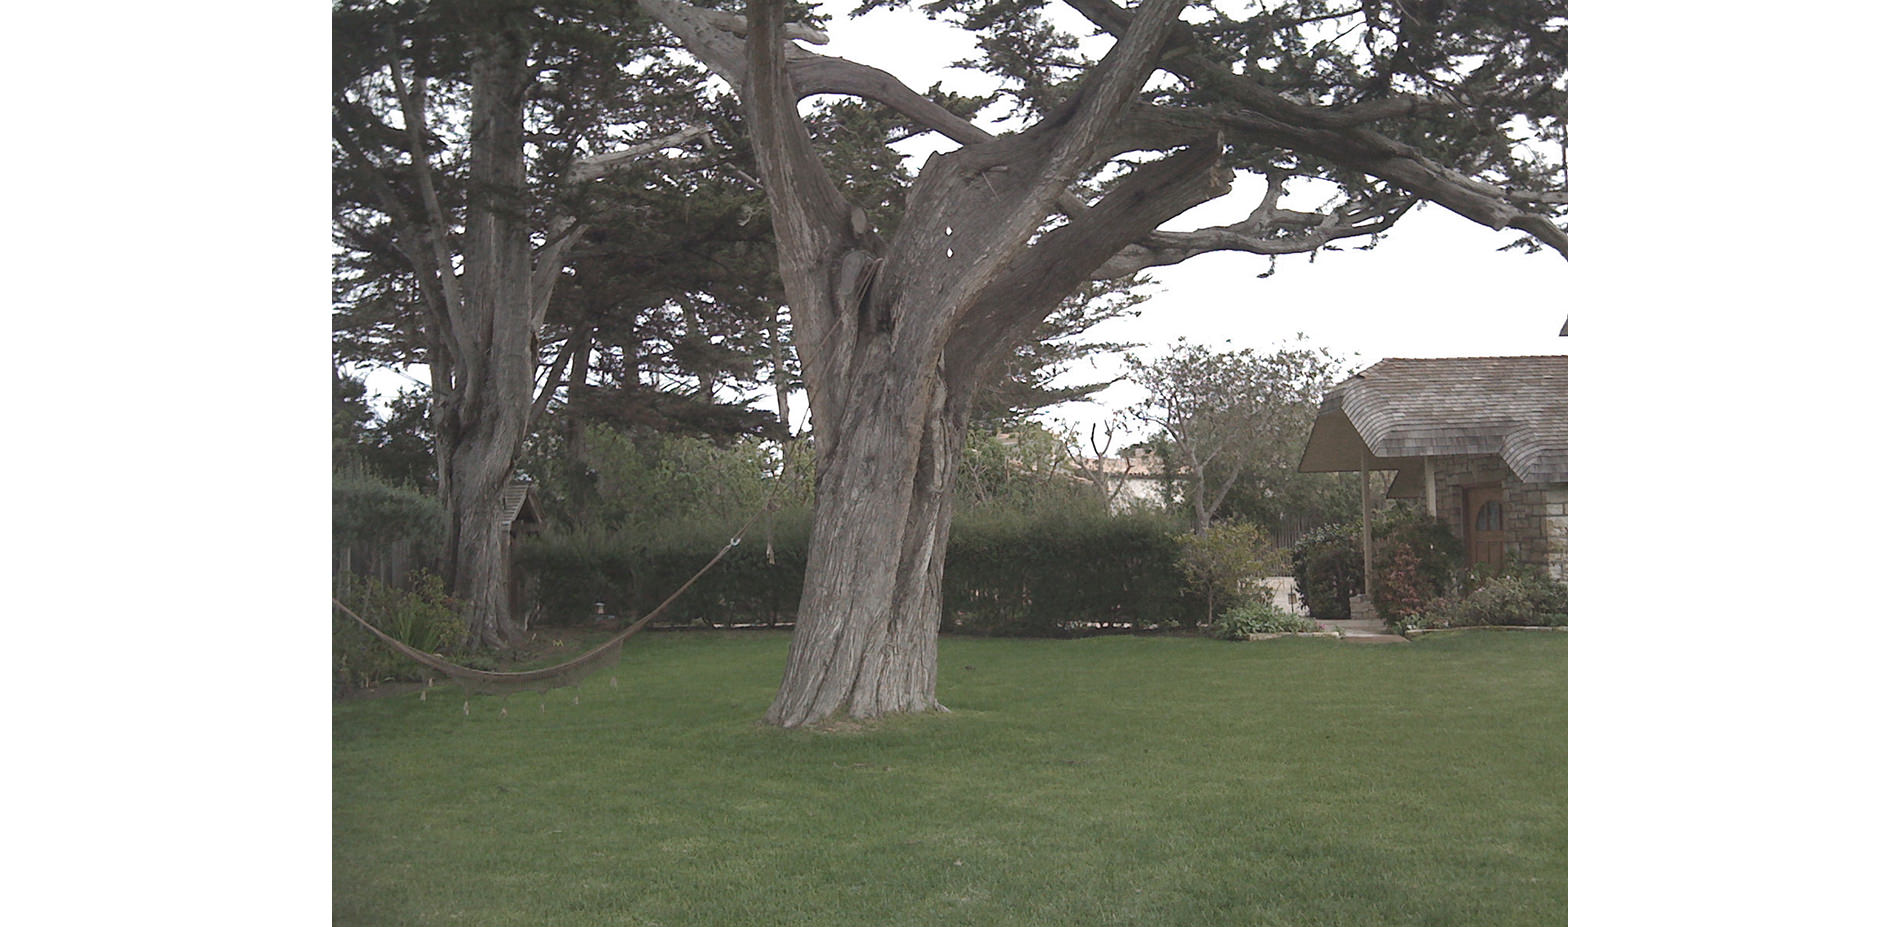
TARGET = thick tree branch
(566,228)
(1404,166)
(1268,231)
(1052,267)
(1337,133)
(436,228)
(701,31)
(1018,179)
(828,255)
(555,370)
(411,240)
(1104,95)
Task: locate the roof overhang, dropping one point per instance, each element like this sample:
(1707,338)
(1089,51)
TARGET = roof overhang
(1400,412)
(1334,446)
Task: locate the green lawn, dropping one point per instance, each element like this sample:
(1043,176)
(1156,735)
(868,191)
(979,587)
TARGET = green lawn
(1111,780)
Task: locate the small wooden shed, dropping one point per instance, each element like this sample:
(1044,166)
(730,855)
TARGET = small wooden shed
(520,517)
(1483,440)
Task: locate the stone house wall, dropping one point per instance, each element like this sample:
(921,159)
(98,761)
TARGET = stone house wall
(1537,515)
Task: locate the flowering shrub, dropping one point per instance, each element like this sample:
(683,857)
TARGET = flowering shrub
(1403,590)
(1520,599)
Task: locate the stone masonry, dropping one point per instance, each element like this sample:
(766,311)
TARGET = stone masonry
(1536,515)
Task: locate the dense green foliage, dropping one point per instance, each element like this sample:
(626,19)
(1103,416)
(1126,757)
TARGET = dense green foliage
(1328,569)
(1033,550)
(1421,579)
(1236,623)
(1415,556)
(631,572)
(1523,598)
(1056,572)
(1227,560)
(1150,781)
(1064,570)
(613,479)
(1288,503)
(368,511)
(421,615)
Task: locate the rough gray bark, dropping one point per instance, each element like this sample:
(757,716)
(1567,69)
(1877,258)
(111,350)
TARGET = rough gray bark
(485,410)
(896,337)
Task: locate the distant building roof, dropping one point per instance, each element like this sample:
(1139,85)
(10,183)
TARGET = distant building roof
(1402,408)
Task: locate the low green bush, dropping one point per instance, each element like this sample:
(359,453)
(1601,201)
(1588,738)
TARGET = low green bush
(1328,570)
(422,616)
(1226,560)
(1519,598)
(1415,559)
(1259,618)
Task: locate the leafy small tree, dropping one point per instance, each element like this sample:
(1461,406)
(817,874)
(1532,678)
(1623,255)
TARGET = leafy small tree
(1018,463)
(1222,414)
(1226,558)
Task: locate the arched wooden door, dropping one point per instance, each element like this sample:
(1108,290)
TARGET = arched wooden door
(1484,526)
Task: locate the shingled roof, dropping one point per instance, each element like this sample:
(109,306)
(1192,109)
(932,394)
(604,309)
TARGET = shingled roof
(518,504)
(1403,409)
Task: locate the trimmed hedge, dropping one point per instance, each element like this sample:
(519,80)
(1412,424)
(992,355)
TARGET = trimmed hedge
(1049,574)
(1062,573)
(366,510)
(633,572)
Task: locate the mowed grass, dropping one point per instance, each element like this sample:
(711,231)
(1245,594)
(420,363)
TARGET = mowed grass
(1111,780)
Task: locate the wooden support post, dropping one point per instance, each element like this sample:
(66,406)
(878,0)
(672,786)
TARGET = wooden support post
(1431,489)
(1365,515)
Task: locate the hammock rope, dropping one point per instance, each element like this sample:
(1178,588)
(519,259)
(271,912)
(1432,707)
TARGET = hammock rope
(570,673)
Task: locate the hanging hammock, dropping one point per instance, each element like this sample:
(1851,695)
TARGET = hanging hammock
(571,673)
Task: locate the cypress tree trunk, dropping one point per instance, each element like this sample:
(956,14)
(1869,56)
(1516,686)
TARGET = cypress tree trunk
(865,643)
(896,335)
(492,391)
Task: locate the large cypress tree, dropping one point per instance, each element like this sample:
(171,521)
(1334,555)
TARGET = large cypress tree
(902,323)
(467,139)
